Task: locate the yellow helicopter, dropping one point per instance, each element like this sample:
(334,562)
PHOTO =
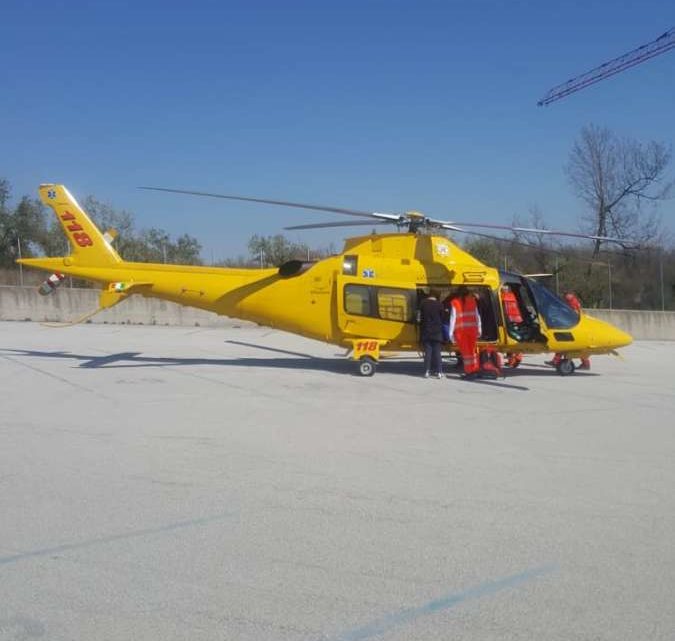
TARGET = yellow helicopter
(364,299)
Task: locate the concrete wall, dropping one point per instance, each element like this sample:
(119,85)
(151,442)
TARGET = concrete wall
(641,325)
(24,303)
(65,304)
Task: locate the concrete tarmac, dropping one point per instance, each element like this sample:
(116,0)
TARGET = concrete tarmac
(242,483)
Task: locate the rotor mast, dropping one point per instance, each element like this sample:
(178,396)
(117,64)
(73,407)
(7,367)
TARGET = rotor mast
(663,43)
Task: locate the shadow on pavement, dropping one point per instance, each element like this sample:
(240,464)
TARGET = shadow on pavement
(124,360)
(294,361)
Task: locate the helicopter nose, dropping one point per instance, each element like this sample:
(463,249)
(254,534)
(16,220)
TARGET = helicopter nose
(610,336)
(622,338)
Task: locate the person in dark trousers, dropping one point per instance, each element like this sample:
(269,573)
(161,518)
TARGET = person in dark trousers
(431,334)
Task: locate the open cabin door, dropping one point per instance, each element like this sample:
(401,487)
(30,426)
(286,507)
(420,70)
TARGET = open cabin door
(520,321)
(488,306)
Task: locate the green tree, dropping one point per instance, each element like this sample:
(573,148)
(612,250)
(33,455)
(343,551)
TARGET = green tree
(275,250)
(21,229)
(106,217)
(7,242)
(39,232)
(5,191)
(236,262)
(155,245)
(30,224)
(149,245)
(484,249)
(186,250)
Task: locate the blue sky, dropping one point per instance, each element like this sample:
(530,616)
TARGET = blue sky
(382,106)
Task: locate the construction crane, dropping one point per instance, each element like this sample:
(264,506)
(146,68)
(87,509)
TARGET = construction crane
(663,43)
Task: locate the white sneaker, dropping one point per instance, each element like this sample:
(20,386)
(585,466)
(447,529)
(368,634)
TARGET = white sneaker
(439,375)
(426,374)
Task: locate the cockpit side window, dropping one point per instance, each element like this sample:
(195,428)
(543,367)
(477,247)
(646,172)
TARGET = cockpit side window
(556,312)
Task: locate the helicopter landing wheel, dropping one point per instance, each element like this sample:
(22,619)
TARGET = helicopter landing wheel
(367,365)
(565,367)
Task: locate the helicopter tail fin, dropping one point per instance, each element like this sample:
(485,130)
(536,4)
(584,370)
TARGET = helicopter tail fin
(89,246)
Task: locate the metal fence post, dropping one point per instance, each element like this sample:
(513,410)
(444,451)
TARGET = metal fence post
(557,280)
(663,291)
(18,246)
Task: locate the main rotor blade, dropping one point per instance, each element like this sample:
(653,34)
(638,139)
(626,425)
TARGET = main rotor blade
(341,223)
(607,239)
(450,226)
(282,203)
(552,232)
(396,218)
(546,250)
(510,241)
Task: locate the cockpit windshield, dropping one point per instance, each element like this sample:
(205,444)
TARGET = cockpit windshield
(556,312)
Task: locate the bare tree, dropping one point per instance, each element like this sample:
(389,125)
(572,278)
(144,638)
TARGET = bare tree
(537,248)
(615,177)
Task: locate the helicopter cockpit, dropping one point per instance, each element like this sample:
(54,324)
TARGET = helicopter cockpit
(535,300)
(555,311)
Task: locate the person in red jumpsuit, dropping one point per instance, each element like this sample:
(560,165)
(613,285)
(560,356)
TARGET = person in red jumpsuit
(514,318)
(572,300)
(465,328)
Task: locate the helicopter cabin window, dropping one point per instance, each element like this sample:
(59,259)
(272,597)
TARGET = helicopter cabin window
(394,304)
(387,303)
(357,300)
(556,312)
